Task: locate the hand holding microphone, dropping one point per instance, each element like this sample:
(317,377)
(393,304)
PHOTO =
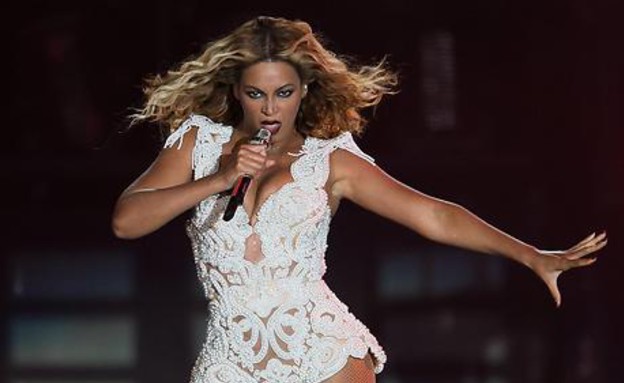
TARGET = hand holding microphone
(237,196)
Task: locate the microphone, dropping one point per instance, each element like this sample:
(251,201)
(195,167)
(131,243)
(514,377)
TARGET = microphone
(261,137)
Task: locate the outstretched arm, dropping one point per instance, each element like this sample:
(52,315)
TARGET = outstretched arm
(447,222)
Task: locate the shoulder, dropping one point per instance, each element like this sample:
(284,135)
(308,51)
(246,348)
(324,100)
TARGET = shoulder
(343,143)
(207,131)
(346,169)
(347,161)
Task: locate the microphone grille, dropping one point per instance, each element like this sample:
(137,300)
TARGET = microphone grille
(262,136)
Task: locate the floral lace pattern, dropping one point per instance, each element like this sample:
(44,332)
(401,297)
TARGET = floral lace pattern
(271,319)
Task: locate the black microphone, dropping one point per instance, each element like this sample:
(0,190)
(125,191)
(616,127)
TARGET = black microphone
(261,137)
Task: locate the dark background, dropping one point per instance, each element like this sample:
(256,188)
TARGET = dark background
(510,108)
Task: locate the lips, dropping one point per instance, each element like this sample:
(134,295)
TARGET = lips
(272,126)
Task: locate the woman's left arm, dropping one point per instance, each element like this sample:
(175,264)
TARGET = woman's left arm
(445,222)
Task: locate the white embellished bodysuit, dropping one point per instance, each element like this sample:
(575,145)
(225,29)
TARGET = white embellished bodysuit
(272,319)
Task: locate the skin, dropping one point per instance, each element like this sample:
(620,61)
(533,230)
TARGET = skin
(272,91)
(267,91)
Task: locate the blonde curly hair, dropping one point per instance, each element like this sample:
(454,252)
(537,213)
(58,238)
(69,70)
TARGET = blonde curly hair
(203,84)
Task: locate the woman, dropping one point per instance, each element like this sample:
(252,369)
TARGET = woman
(272,318)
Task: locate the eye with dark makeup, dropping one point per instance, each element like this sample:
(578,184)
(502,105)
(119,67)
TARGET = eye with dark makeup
(281,93)
(285,93)
(254,94)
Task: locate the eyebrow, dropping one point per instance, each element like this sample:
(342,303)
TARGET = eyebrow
(256,88)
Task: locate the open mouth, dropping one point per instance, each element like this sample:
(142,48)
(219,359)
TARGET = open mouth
(272,126)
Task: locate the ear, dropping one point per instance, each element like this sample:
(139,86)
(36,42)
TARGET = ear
(304,92)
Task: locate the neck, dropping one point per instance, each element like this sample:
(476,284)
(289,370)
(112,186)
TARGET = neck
(283,145)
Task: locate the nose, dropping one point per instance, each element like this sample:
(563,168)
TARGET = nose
(269,107)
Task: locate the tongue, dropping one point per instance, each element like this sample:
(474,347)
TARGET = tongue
(272,127)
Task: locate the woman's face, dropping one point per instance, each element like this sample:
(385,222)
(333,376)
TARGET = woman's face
(270,93)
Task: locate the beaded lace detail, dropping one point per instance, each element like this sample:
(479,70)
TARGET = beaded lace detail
(272,318)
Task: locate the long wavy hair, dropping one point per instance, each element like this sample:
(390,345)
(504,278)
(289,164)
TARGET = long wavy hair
(203,84)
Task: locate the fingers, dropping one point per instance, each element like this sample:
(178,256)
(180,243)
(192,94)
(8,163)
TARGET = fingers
(252,160)
(585,262)
(572,258)
(255,148)
(554,289)
(587,246)
(568,264)
(583,242)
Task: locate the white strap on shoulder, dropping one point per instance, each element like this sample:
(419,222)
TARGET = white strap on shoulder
(194,120)
(314,166)
(345,141)
(323,147)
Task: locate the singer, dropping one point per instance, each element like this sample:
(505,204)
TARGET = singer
(272,317)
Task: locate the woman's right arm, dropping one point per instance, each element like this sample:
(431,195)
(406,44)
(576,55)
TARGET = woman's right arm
(164,191)
(167,189)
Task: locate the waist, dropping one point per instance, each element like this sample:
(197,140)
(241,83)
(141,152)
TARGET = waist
(263,296)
